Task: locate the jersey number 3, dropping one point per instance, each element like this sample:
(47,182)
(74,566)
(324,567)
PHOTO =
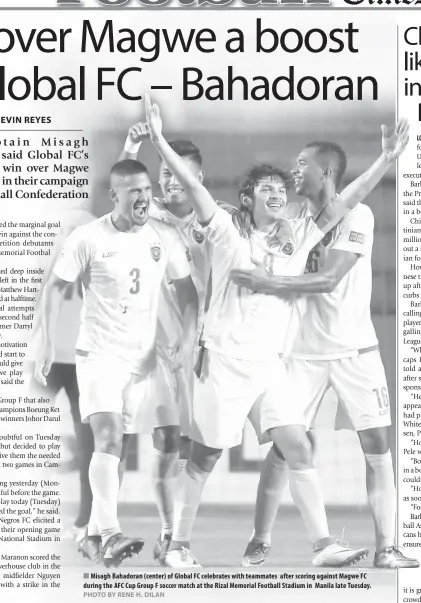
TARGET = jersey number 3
(135,274)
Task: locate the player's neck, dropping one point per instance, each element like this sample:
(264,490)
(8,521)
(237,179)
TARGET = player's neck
(319,200)
(264,226)
(179,211)
(122,225)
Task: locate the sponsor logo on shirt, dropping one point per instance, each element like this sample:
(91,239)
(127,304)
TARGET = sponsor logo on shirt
(109,254)
(288,248)
(356,237)
(199,237)
(156,252)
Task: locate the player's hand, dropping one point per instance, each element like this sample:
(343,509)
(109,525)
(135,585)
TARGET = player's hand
(153,118)
(255,279)
(394,144)
(231,209)
(183,356)
(280,234)
(138,132)
(43,365)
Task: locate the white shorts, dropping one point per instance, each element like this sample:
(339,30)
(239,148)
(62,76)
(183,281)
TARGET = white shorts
(228,389)
(107,384)
(172,396)
(360,383)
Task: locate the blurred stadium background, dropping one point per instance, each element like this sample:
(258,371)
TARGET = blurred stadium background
(226,156)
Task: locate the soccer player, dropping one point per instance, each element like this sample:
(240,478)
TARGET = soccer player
(63,372)
(122,259)
(174,388)
(336,345)
(244,334)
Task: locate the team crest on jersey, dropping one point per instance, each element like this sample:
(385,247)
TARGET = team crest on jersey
(288,248)
(156,252)
(199,237)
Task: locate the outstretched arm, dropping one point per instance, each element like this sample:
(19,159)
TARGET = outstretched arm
(393,146)
(352,242)
(338,264)
(202,201)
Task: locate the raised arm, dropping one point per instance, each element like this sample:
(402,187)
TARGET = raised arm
(136,135)
(202,201)
(393,146)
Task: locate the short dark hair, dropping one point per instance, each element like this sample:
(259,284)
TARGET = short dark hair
(257,172)
(185,148)
(127,167)
(334,154)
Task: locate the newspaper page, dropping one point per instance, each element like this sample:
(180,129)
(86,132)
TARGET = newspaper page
(210,300)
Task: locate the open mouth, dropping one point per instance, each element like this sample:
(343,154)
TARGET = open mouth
(276,205)
(140,209)
(175,191)
(297,180)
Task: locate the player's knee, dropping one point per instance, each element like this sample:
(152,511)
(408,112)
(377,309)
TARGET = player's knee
(374,441)
(205,458)
(298,453)
(125,445)
(167,439)
(294,445)
(185,447)
(108,439)
(303,455)
(277,452)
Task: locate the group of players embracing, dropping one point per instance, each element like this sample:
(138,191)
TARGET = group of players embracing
(199,315)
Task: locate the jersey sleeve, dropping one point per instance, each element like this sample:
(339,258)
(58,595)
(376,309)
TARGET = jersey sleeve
(220,230)
(74,257)
(178,264)
(356,231)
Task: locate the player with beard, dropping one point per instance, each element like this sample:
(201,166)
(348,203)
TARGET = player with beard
(336,345)
(122,259)
(244,335)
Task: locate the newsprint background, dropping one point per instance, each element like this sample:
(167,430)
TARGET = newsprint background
(39,484)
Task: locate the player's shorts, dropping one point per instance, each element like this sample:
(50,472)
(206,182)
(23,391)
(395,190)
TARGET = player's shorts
(172,396)
(107,384)
(229,388)
(359,382)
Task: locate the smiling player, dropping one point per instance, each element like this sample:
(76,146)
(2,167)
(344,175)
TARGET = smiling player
(122,259)
(337,344)
(244,334)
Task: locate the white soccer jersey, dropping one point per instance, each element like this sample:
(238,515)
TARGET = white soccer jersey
(197,249)
(337,324)
(122,275)
(243,324)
